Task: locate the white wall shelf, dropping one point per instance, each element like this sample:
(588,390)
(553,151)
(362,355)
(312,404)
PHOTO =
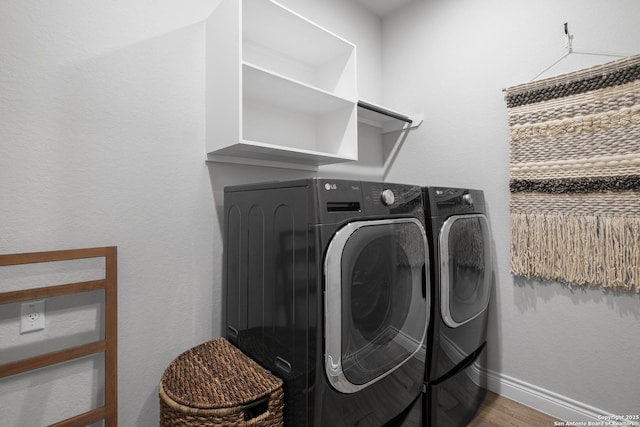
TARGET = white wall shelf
(280,89)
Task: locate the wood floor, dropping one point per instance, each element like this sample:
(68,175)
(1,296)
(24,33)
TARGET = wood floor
(500,411)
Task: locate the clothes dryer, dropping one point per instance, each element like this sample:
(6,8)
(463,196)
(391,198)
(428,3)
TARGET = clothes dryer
(461,270)
(327,286)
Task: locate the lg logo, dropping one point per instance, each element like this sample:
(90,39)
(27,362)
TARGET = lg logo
(328,186)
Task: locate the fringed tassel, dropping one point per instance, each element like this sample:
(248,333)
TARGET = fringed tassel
(599,250)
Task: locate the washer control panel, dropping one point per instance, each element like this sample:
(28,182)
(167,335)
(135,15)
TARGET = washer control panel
(344,197)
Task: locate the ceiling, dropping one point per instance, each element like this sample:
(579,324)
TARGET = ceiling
(383,7)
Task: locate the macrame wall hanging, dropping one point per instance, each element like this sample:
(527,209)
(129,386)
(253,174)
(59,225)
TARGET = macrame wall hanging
(575,176)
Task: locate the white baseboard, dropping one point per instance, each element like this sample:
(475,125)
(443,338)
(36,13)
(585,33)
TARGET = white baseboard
(554,404)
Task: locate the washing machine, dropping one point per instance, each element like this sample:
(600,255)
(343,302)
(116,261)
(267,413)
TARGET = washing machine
(461,271)
(327,286)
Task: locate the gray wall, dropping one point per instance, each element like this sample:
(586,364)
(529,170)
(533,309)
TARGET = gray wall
(101,143)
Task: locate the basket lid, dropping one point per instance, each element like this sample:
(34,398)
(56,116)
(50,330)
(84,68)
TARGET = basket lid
(215,375)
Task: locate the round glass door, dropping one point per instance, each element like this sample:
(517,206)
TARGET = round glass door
(376,306)
(465,255)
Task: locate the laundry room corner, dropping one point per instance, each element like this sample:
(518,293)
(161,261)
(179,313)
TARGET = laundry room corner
(457,57)
(302,198)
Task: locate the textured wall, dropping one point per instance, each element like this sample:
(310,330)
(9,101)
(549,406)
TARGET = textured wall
(102,143)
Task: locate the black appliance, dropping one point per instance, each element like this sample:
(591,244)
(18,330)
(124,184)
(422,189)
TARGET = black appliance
(462,276)
(326,285)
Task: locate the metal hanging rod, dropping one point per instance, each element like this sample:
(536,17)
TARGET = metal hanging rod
(384,111)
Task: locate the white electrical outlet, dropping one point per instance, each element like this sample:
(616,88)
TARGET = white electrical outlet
(32,316)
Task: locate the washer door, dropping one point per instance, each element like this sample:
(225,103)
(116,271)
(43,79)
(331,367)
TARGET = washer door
(376,304)
(465,256)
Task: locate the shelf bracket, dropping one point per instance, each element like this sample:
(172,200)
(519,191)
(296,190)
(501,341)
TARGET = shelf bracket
(393,141)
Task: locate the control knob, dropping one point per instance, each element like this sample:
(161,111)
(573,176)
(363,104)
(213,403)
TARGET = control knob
(467,199)
(387,197)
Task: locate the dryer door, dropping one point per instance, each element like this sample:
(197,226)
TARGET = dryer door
(376,304)
(465,277)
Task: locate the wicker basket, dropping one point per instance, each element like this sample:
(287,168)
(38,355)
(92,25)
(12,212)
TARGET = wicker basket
(215,384)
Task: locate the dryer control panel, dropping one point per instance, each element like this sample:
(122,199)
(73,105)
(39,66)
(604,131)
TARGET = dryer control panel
(445,201)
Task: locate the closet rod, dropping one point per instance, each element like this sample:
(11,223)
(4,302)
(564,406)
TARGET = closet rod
(384,111)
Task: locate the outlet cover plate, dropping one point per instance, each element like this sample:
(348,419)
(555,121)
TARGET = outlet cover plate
(32,316)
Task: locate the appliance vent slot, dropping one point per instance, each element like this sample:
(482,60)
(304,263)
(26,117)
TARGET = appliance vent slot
(343,206)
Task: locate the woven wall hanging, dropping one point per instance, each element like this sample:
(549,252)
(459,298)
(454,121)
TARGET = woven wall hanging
(575,176)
